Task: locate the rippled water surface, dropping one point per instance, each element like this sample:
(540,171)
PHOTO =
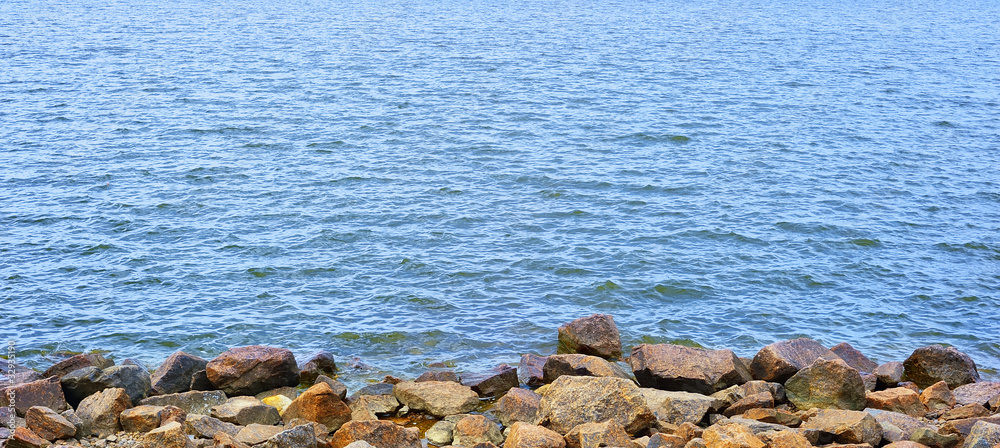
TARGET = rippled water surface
(444,181)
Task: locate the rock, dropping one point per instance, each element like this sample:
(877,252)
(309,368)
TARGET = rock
(438,398)
(252,369)
(439,375)
(598,434)
(580,365)
(525,435)
(574,400)
(754,426)
(374,389)
(494,383)
(80,361)
(905,444)
(338,388)
(380,433)
(826,383)
(889,374)
(933,363)
(25,438)
(70,416)
(594,335)
(254,434)
(964,426)
(288,392)
(696,443)
(774,416)
(978,393)
(224,440)
(846,426)
(676,367)
(938,397)
(99,412)
(661,440)
(784,439)
(359,444)
(321,363)
(870,380)
(319,404)
(758,400)
(170,435)
(779,361)
(854,358)
(200,381)
(48,424)
(441,433)
(995,403)
(145,418)
(897,399)
(175,374)
(368,407)
(731,436)
(246,410)
(896,426)
(208,427)
(929,437)
(678,407)
(303,436)
(475,429)
(81,383)
(134,379)
(967,411)
(193,402)
(518,405)
(529,370)
(983,435)
(46,393)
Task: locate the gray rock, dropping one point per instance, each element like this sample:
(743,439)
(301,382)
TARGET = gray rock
(679,407)
(206,427)
(303,436)
(80,361)
(779,361)
(933,363)
(977,393)
(321,363)
(983,435)
(889,374)
(86,381)
(441,433)
(493,383)
(193,402)
(246,410)
(580,365)
(254,434)
(676,367)
(846,426)
(439,398)
(339,388)
(896,426)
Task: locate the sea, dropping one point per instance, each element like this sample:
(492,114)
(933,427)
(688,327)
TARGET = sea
(407,184)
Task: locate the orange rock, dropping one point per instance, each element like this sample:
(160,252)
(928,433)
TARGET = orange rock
(380,433)
(524,435)
(319,404)
(606,433)
(897,399)
(731,436)
(785,439)
(938,396)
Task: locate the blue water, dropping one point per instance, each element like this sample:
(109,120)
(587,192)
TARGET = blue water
(445,181)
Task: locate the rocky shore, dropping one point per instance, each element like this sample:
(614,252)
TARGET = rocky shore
(792,394)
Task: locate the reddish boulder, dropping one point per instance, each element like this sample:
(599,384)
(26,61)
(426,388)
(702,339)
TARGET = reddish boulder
(47,393)
(80,361)
(175,374)
(968,411)
(854,358)
(25,438)
(48,425)
(474,429)
(380,433)
(933,363)
(252,369)
(594,335)
(598,434)
(320,404)
(755,401)
(676,367)
(170,435)
(731,436)
(518,405)
(897,399)
(145,418)
(529,370)
(779,361)
(493,383)
(580,365)
(524,435)
(938,397)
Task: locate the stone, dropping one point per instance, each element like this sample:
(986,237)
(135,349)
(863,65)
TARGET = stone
(374,389)
(438,398)
(338,388)
(680,368)
(905,444)
(779,361)
(369,407)
(594,335)
(526,435)
(303,436)
(574,400)
(580,365)
(145,418)
(493,383)
(440,433)
(661,440)
(208,427)
(380,433)
(896,426)
(170,435)
(438,375)
(758,400)
(933,439)
(784,439)
(731,436)
(80,361)
(963,426)
(846,426)
(598,434)
(359,444)
(983,435)
(193,402)
(319,404)
(254,434)
(279,402)
(86,381)
(695,443)
(518,405)
(933,363)
(978,393)
(99,412)
(529,370)
(826,383)
(245,410)
(475,429)
(889,374)
(25,438)
(252,369)
(678,407)
(46,393)
(321,363)
(224,440)
(938,397)
(775,416)
(854,358)
(967,411)
(897,399)
(81,383)
(755,426)
(70,416)
(48,424)
(175,374)
(870,380)
(777,390)
(200,381)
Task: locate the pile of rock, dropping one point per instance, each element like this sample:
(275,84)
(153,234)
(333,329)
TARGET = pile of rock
(792,394)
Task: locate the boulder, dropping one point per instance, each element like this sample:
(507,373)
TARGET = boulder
(245,410)
(755,401)
(846,426)
(48,424)
(938,397)
(438,398)
(438,375)
(518,405)
(826,383)
(321,363)
(493,383)
(594,335)
(338,388)
(200,381)
(964,426)
(286,391)
(375,389)
(254,434)
(897,426)
(854,358)
(779,361)
(525,435)
(380,433)
(678,407)
(574,400)
(359,444)
(529,370)
(193,402)
(598,434)
(46,393)
(983,435)
(303,436)
(81,383)
(731,436)
(208,427)
(967,411)
(905,444)
(773,416)
(86,381)
(223,440)
(897,399)
(99,412)
(441,433)
(23,437)
(170,435)
(784,439)
(80,361)
(474,429)
(755,426)
(933,439)
(319,404)
(676,367)
(369,407)
(933,363)
(145,418)
(661,440)
(175,374)
(252,369)
(580,365)
(978,393)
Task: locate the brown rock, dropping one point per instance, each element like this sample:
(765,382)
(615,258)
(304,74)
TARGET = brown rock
(846,426)
(252,369)
(302,436)
(524,435)
(438,398)
(145,418)
(931,438)
(574,400)
(380,433)
(368,407)
(889,374)
(676,367)
(474,429)
(784,439)
(933,363)
(678,407)
(580,365)
(897,399)
(598,434)
(518,405)
(529,370)
(170,435)
(963,426)
(175,374)
(758,400)
(854,358)
(46,393)
(254,434)
(896,426)
(688,431)
(775,416)
(25,438)
(978,393)
(224,440)
(78,362)
(938,397)
(905,444)
(779,361)
(208,427)
(731,436)
(48,424)
(661,440)
(338,388)
(321,363)
(967,411)
(594,335)
(246,410)
(99,412)
(319,404)
(438,375)
(983,435)
(493,383)
(826,384)
(193,402)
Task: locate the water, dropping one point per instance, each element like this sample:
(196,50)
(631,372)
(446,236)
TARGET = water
(443,181)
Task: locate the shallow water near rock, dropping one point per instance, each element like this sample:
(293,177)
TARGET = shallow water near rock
(419,182)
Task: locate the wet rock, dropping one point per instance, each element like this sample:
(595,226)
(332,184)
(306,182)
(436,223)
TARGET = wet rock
(978,393)
(897,399)
(933,363)
(826,383)
(374,389)
(579,365)
(518,405)
(594,335)
(574,400)
(321,363)
(438,398)
(303,436)
(731,436)
(319,404)
(474,429)
(661,440)
(530,370)
(379,433)
(80,361)
(598,434)
(245,410)
(46,393)
(846,426)
(170,435)
(854,358)
(224,440)
(493,383)
(779,361)
(338,388)
(896,426)
(175,374)
(145,418)
(967,411)
(193,402)
(931,438)
(252,369)
(439,375)
(441,433)
(784,439)
(676,367)
(208,427)
(758,400)
(99,412)
(774,416)
(678,407)
(983,435)
(938,397)
(48,424)
(254,434)
(25,438)
(889,374)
